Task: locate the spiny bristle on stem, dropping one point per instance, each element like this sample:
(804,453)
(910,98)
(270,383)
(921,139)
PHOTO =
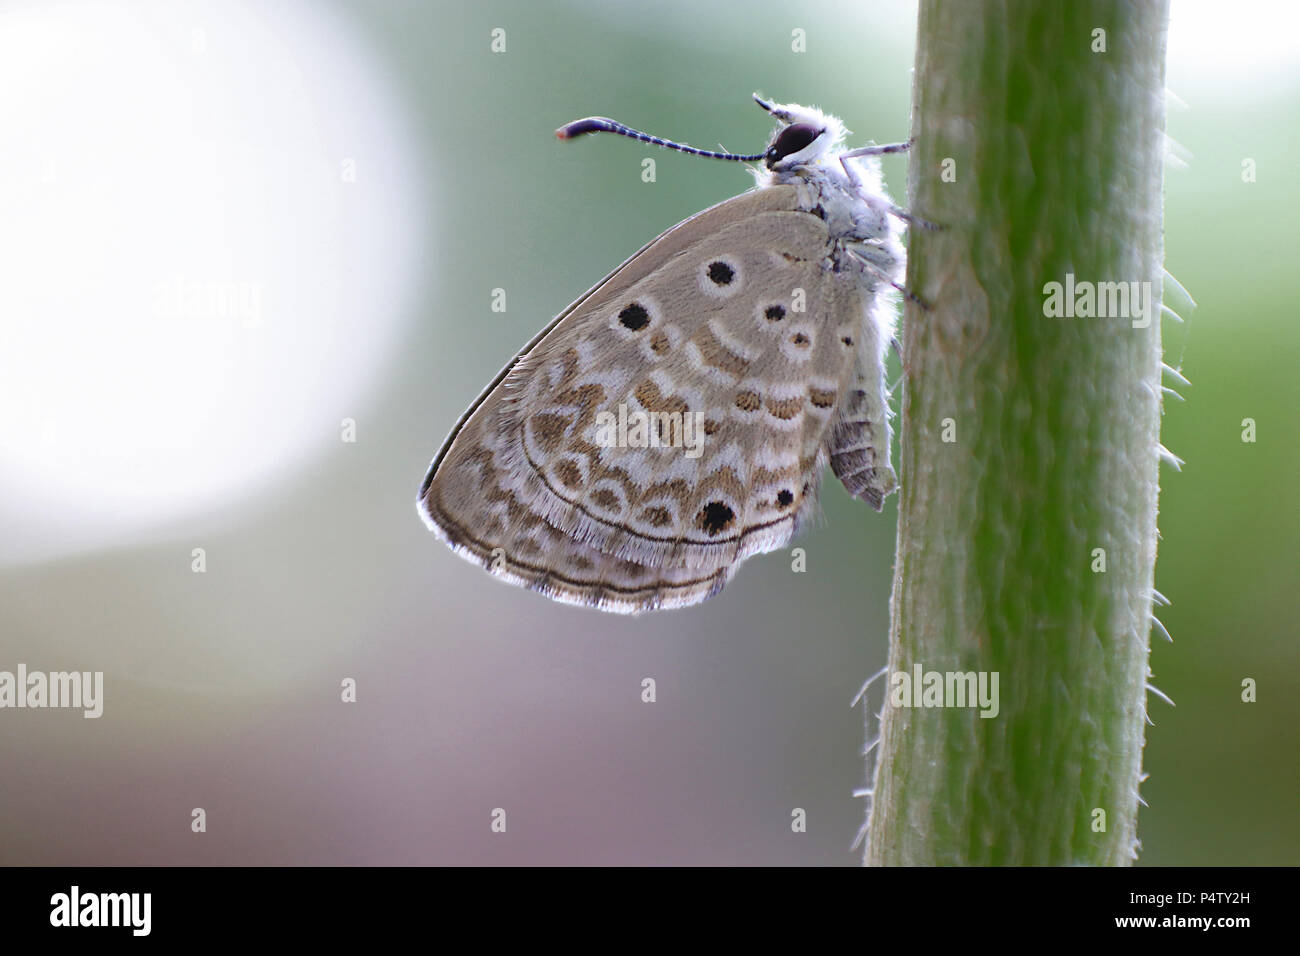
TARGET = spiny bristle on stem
(870,680)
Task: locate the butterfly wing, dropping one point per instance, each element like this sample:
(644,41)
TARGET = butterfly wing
(733,320)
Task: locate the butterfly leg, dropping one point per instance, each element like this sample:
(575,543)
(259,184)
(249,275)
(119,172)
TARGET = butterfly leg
(898,350)
(883,150)
(880,150)
(911,296)
(912,220)
(870,151)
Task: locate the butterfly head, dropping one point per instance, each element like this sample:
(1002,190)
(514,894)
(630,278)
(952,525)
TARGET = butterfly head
(806,135)
(805,138)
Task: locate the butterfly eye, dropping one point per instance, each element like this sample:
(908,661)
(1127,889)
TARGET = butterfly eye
(789,141)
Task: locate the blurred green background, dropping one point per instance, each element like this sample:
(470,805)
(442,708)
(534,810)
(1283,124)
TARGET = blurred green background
(222,688)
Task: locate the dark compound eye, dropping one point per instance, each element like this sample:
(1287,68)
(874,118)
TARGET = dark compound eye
(634,317)
(721,273)
(789,141)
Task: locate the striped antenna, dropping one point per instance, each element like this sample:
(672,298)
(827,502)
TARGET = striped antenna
(602,124)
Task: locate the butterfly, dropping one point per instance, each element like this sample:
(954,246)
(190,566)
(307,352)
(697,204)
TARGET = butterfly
(676,419)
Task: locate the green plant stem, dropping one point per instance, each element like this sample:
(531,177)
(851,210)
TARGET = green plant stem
(1053,436)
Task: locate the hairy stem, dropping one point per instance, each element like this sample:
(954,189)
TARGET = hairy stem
(1029,442)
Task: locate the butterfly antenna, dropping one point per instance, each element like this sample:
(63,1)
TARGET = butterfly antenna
(601,124)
